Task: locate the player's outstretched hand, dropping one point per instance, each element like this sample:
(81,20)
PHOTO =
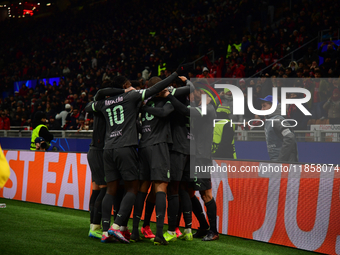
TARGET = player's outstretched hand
(129,89)
(164,93)
(183,78)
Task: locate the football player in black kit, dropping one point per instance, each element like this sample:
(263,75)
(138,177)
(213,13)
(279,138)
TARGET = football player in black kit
(120,155)
(203,138)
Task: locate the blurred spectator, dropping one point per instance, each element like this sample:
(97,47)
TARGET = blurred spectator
(16,121)
(333,107)
(72,120)
(205,74)
(81,124)
(4,122)
(329,53)
(53,124)
(310,56)
(267,56)
(49,110)
(23,91)
(63,115)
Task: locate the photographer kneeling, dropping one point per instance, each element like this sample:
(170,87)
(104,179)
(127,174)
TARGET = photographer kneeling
(40,130)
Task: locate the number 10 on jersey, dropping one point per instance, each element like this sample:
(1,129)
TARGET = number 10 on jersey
(116,116)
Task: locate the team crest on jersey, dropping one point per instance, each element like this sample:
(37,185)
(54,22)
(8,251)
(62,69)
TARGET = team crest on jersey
(117,100)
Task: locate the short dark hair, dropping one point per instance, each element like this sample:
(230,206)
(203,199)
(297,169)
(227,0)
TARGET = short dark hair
(153,80)
(135,83)
(118,81)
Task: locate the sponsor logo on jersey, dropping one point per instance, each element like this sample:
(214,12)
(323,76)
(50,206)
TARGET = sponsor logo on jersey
(190,136)
(146,129)
(116,133)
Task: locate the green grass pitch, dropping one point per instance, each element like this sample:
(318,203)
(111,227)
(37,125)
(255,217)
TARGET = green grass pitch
(28,228)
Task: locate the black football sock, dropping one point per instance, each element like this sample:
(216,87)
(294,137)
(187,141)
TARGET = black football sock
(98,207)
(93,198)
(125,223)
(186,207)
(125,208)
(149,207)
(160,212)
(211,212)
(106,211)
(137,211)
(198,211)
(117,201)
(179,213)
(173,205)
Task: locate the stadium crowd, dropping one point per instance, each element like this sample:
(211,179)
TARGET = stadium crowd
(146,39)
(142,48)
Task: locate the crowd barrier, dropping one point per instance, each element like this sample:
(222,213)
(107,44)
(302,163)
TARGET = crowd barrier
(294,208)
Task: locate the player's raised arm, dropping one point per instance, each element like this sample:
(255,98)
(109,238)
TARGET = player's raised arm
(164,83)
(159,112)
(185,90)
(188,111)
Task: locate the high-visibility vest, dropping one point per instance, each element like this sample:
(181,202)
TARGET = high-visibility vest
(223,145)
(161,68)
(35,134)
(237,46)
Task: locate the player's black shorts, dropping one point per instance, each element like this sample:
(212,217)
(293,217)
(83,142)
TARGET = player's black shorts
(200,180)
(121,163)
(179,166)
(154,163)
(96,163)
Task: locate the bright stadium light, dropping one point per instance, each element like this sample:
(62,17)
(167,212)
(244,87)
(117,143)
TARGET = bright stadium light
(20,3)
(9,15)
(48,4)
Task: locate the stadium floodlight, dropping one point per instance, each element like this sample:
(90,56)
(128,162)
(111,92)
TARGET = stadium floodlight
(48,4)
(38,3)
(20,3)
(9,15)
